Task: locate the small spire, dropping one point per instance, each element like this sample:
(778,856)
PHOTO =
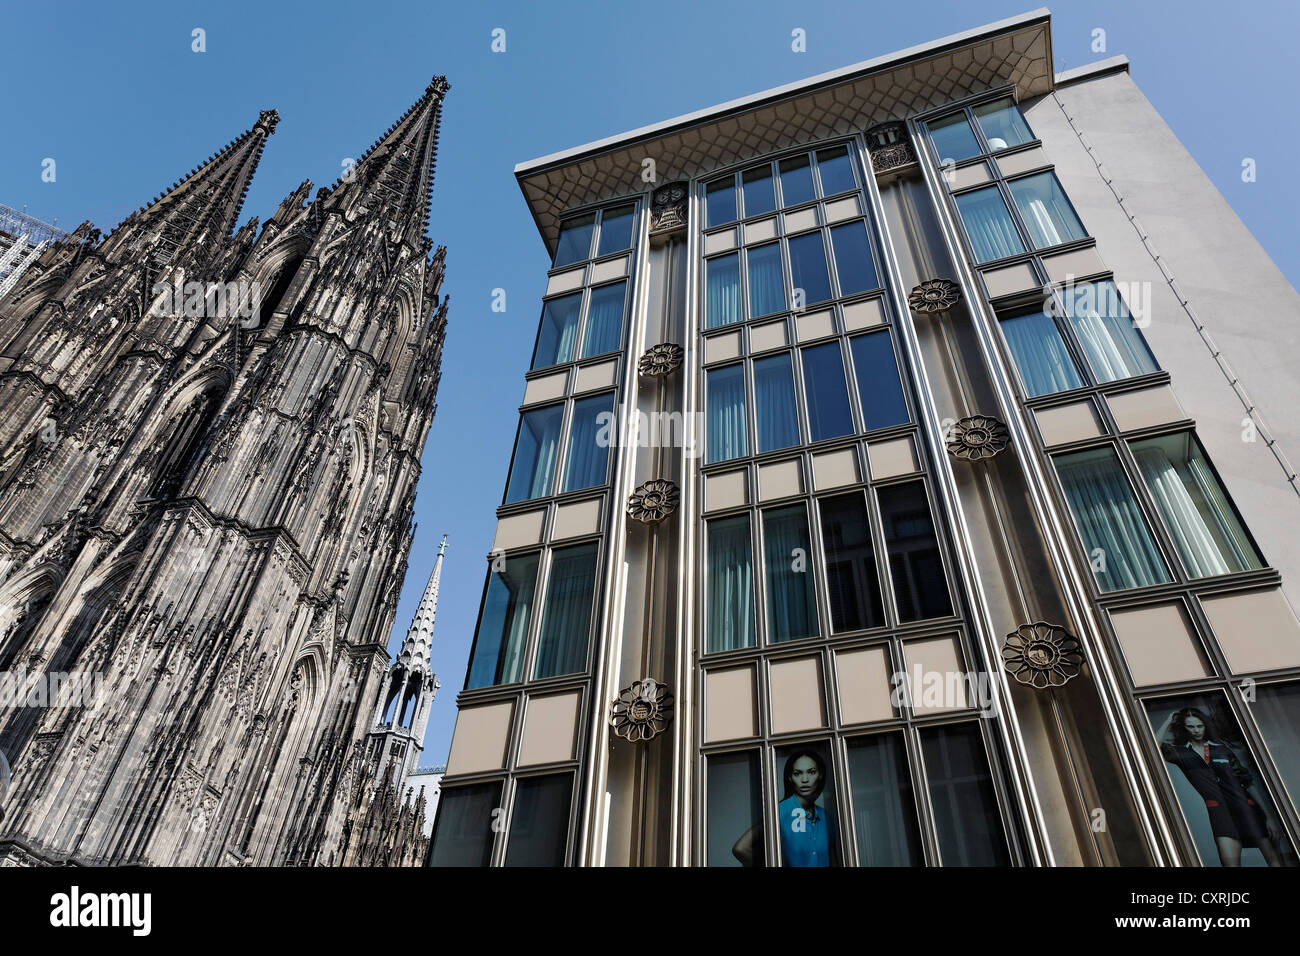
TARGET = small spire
(419,638)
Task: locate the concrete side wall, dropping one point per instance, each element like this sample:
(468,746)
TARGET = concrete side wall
(1250,311)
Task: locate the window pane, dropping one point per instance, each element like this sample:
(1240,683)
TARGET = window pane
(881,788)
(992,233)
(1115,536)
(589,440)
(806,817)
(731,584)
(1107,332)
(566,616)
(1002,124)
(766,279)
(791,598)
(853,263)
(1040,354)
(850,564)
(723,289)
(836,170)
(574,244)
(616,229)
(1277,709)
(760,193)
(462,834)
(539,823)
(828,398)
(720,198)
(914,562)
(796,180)
(726,401)
(604,319)
(735,811)
(1195,508)
(559,330)
(502,634)
(808,263)
(1045,210)
(879,387)
(774,405)
(535,448)
(965,805)
(1224,798)
(953,139)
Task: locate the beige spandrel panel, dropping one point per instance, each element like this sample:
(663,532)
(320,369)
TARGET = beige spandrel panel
(728,490)
(1061,424)
(729,705)
(577,518)
(834,469)
(519,531)
(864,315)
(1158,644)
(1257,630)
(719,348)
(773,335)
(935,676)
(1144,407)
(546,388)
(796,696)
(480,739)
(550,729)
(780,479)
(609,269)
(565,281)
(888,459)
(591,377)
(1010,280)
(863,679)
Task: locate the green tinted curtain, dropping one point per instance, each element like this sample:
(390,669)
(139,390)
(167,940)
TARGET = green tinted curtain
(992,233)
(722,290)
(566,617)
(775,409)
(730,584)
(588,460)
(726,415)
(535,449)
(791,598)
(502,632)
(1040,353)
(766,280)
(1114,346)
(604,319)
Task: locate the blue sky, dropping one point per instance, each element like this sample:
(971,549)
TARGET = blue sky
(115,95)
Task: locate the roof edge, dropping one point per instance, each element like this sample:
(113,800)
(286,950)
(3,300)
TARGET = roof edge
(1112,64)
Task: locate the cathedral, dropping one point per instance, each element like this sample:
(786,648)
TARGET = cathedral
(210,442)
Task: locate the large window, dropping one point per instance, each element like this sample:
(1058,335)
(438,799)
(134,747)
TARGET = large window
(588,455)
(463,833)
(502,635)
(812,281)
(853,263)
(1106,331)
(791,596)
(726,413)
(989,225)
(566,614)
(774,403)
(616,229)
(953,138)
(851,576)
(604,319)
(880,391)
(574,244)
(826,392)
(1116,538)
(766,279)
(961,791)
(1002,124)
(1040,353)
(558,333)
(915,565)
(535,451)
(722,284)
(883,808)
(577,242)
(730,582)
(539,821)
(735,810)
(1047,214)
(1195,509)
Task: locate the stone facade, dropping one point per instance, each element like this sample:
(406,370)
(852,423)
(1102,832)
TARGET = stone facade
(208,506)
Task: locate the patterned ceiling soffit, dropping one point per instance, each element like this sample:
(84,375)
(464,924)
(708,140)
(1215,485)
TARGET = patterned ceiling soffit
(1015,51)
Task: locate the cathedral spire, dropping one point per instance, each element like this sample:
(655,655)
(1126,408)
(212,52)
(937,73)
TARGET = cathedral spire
(206,203)
(396,173)
(419,639)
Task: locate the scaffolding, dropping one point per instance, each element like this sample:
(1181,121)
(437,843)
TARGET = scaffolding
(14,224)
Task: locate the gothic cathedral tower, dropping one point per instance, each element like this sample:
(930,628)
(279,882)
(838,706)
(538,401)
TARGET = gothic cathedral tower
(205,506)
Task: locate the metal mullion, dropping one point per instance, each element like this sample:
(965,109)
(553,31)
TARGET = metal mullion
(847,836)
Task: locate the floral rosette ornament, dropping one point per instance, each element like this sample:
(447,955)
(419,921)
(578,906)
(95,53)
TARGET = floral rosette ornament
(977,437)
(642,711)
(653,501)
(934,295)
(660,360)
(1042,655)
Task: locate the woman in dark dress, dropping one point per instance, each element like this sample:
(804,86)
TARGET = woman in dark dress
(1237,820)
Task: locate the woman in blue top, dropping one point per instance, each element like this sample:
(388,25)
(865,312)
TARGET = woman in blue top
(807,830)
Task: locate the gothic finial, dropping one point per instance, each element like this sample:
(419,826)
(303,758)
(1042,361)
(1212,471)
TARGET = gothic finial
(267,121)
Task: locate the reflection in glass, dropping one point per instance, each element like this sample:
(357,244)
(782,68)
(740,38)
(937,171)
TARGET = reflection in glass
(720,200)
(966,816)
(760,193)
(1277,708)
(566,615)
(883,813)
(539,822)
(791,597)
(502,634)
(826,392)
(1040,354)
(988,224)
(1115,536)
(850,564)
(1227,807)
(836,170)
(1208,534)
(915,566)
(879,387)
(1047,213)
(463,833)
(535,448)
(953,139)
(766,279)
(616,229)
(559,330)
(725,394)
(1107,332)
(731,584)
(722,284)
(574,244)
(853,264)
(811,280)
(796,180)
(1002,124)
(778,420)
(806,818)
(735,806)
(589,443)
(604,319)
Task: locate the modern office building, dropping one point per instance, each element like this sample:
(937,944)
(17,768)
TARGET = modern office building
(959,527)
